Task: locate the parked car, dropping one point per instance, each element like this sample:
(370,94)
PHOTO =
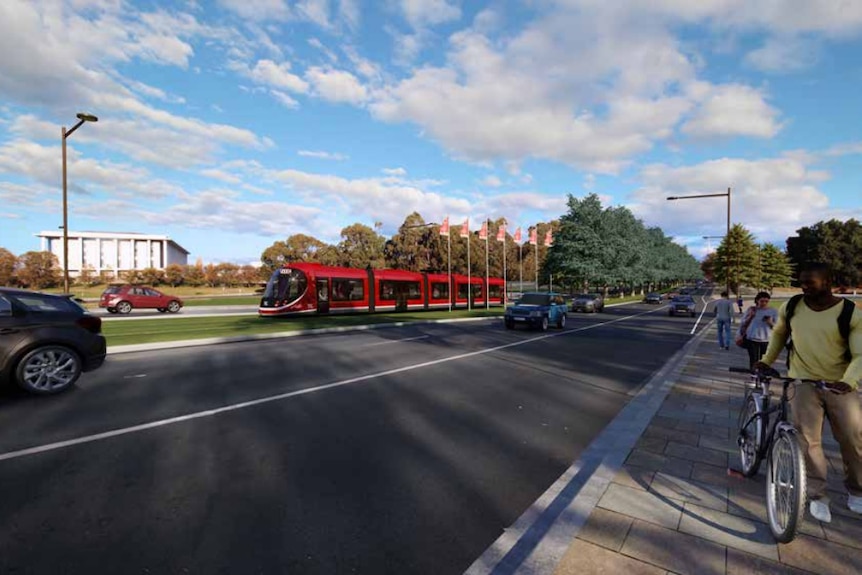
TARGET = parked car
(588,302)
(653,297)
(537,310)
(124,298)
(46,341)
(682,304)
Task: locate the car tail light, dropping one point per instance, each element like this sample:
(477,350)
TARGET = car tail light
(91,323)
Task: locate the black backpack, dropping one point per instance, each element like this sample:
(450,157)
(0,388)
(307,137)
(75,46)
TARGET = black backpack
(843,324)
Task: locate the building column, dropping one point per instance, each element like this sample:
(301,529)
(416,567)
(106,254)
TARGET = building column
(116,258)
(81,254)
(149,253)
(99,256)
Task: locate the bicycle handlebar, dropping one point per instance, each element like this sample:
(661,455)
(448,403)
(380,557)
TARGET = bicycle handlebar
(739,370)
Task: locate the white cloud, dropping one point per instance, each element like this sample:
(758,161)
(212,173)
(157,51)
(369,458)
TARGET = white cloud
(420,13)
(322,155)
(845,149)
(784,55)
(260,10)
(733,110)
(395,171)
(222,175)
(491,182)
(337,85)
(316,11)
(284,99)
(348,12)
(276,75)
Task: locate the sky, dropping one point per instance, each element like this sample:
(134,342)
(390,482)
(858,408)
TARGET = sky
(231,124)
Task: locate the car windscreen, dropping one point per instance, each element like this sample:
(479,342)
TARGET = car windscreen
(535,299)
(112,290)
(587,296)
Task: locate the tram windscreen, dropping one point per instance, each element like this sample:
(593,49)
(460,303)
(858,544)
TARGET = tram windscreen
(286,284)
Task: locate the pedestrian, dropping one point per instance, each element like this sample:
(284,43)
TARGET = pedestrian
(827,347)
(756,327)
(724,318)
(739,302)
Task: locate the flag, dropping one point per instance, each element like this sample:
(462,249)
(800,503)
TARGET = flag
(483,233)
(517,236)
(533,232)
(501,233)
(465,228)
(548,238)
(444,227)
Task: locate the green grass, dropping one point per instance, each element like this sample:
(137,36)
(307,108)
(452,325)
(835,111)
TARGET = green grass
(160,330)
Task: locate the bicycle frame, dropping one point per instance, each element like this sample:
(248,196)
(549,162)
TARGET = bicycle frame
(771,427)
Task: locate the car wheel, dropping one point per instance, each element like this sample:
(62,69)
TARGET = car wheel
(48,369)
(124,307)
(174,306)
(112,310)
(545,323)
(561,321)
(509,324)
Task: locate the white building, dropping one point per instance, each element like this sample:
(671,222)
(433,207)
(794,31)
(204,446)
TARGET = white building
(114,252)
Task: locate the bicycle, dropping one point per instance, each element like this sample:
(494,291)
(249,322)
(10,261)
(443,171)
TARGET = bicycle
(776,441)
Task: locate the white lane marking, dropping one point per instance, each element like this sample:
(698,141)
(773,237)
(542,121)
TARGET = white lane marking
(700,317)
(245,404)
(136,376)
(396,341)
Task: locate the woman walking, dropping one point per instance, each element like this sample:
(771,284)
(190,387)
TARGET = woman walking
(756,327)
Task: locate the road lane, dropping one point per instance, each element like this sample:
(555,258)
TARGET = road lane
(411,472)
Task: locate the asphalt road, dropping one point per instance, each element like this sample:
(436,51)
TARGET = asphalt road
(403,450)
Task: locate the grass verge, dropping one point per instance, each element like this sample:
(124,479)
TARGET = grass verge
(158,330)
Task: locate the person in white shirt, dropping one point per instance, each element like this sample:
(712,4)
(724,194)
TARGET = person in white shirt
(756,328)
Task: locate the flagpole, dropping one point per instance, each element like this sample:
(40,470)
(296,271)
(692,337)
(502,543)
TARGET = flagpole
(487,270)
(521,267)
(469,271)
(537,257)
(449,257)
(504,265)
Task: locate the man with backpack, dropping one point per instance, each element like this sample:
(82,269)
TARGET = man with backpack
(826,346)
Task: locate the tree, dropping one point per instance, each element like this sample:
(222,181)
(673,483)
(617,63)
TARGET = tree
(361,247)
(37,270)
(297,248)
(228,274)
(775,270)
(736,259)
(152,276)
(174,275)
(416,246)
(7,267)
(87,277)
(249,275)
(707,266)
(211,276)
(194,275)
(133,276)
(834,242)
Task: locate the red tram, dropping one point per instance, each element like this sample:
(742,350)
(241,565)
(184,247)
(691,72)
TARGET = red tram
(310,288)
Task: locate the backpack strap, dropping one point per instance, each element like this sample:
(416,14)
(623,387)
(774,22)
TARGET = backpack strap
(791,307)
(844,325)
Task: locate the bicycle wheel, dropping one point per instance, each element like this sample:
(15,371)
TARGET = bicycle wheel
(750,437)
(785,487)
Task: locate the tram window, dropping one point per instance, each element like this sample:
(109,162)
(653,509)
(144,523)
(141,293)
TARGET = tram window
(392,290)
(387,290)
(495,291)
(462,291)
(478,291)
(347,290)
(439,291)
(413,291)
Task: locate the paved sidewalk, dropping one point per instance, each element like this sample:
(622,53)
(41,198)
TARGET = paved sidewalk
(674,509)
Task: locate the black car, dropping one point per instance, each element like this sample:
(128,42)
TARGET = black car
(653,297)
(46,341)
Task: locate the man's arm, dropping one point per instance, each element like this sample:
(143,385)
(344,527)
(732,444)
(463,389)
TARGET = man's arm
(778,337)
(853,373)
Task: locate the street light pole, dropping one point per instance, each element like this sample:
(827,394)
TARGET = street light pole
(727,234)
(65,134)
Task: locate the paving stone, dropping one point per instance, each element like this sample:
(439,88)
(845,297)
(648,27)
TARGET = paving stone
(826,557)
(657,462)
(669,433)
(711,474)
(747,502)
(701,454)
(703,494)
(583,558)
(720,444)
(677,552)
(668,422)
(652,444)
(606,528)
(741,563)
(729,530)
(644,505)
(681,415)
(844,530)
(703,429)
(634,477)
(721,420)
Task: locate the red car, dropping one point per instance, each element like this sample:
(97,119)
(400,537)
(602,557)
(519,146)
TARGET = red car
(124,298)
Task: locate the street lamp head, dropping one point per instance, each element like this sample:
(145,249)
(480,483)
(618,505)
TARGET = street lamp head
(672,198)
(87,117)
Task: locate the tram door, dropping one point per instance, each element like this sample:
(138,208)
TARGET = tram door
(322,296)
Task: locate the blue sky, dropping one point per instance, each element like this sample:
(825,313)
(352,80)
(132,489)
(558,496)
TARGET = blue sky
(230,124)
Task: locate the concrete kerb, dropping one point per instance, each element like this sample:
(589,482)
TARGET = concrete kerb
(175,344)
(536,543)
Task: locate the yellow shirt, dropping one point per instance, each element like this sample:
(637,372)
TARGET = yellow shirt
(818,348)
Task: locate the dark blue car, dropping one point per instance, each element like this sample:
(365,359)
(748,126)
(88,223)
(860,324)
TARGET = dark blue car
(537,310)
